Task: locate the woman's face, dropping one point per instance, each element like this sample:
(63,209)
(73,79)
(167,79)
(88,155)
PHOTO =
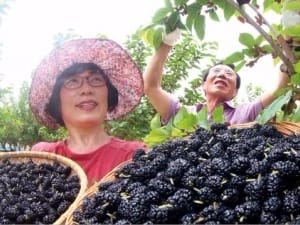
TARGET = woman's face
(220,83)
(84,99)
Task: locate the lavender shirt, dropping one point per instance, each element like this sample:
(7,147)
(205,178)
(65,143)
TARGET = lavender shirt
(242,113)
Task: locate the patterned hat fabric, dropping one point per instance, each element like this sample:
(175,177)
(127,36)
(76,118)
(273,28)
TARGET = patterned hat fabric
(122,71)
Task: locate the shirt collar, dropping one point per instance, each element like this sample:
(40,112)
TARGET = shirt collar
(228,104)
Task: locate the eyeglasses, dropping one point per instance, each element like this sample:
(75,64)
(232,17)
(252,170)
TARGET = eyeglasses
(226,72)
(77,82)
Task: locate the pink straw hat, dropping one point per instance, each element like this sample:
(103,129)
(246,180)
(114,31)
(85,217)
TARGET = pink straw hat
(107,54)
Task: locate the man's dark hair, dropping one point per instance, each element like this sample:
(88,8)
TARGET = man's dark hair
(53,107)
(238,78)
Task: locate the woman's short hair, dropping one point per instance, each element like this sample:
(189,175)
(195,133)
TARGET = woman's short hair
(238,78)
(53,108)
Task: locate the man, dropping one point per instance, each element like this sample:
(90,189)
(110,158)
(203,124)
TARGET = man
(220,84)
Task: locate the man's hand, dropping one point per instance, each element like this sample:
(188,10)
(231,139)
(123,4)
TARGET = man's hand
(172,37)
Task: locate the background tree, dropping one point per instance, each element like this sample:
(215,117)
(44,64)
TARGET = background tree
(253,92)
(179,69)
(193,15)
(18,127)
(32,131)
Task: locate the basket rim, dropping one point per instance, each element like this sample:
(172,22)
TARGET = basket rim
(91,190)
(54,157)
(284,127)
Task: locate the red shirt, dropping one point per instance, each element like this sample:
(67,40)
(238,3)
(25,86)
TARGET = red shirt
(99,162)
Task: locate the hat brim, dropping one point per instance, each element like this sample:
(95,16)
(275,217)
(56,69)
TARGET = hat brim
(122,71)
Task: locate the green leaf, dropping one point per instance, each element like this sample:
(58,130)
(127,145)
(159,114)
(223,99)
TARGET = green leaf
(147,35)
(185,120)
(152,35)
(180,2)
(155,122)
(240,65)
(297,67)
(172,21)
(146,28)
(217,114)
(234,57)
(193,11)
(268,4)
(272,5)
(190,22)
(248,52)
(295,78)
(214,16)
(228,11)
(175,132)
(202,117)
(157,37)
(169,125)
(181,26)
(293,31)
(160,15)
(295,117)
(274,107)
(220,3)
(247,39)
(267,48)
(156,136)
(291,5)
(259,39)
(201,2)
(199,26)
(168,4)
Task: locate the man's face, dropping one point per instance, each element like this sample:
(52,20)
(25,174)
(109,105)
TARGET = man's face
(220,83)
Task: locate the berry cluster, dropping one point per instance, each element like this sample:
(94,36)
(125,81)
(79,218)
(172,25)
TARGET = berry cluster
(32,193)
(217,176)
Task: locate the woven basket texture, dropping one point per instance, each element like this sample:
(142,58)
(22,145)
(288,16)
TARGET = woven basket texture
(45,157)
(110,176)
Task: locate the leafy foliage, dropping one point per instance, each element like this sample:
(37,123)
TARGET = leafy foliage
(191,16)
(181,124)
(188,58)
(180,66)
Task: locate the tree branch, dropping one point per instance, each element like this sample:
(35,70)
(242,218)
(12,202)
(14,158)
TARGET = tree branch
(286,49)
(288,57)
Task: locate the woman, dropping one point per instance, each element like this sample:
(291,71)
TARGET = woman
(220,84)
(79,85)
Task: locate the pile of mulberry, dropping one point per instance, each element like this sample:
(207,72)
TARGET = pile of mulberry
(251,176)
(35,193)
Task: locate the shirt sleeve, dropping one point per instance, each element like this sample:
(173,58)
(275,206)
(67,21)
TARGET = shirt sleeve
(173,108)
(246,112)
(44,146)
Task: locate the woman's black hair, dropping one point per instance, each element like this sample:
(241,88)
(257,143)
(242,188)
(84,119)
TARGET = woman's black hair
(238,78)
(53,107)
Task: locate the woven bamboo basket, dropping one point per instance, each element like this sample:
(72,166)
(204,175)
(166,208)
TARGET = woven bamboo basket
(110,176)
(45,157)
(284,127)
